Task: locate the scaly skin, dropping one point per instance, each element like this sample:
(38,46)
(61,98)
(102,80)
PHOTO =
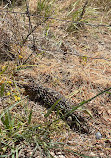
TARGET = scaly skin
(48,97)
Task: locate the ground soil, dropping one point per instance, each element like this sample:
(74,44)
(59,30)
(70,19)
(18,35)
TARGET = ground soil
(80,63)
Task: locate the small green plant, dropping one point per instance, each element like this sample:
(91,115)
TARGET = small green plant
(76,14)
(8,122)
(44,7)
(17,132)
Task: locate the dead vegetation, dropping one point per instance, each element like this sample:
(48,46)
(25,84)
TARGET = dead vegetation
(5,46)
(73,59)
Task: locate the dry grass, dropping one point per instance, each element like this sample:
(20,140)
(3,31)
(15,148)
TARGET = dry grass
(75,70)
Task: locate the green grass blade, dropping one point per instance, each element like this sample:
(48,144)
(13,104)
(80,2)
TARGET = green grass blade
(84,102)
(9,108)
(52,108)
(30,116)
(2,90)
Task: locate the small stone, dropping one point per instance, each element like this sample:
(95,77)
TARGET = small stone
(59,153)
(98,135)
(92,154)
(52,153)
(61,156)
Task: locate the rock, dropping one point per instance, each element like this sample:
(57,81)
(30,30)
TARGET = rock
(98,135)
(52,153)
(61,156)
